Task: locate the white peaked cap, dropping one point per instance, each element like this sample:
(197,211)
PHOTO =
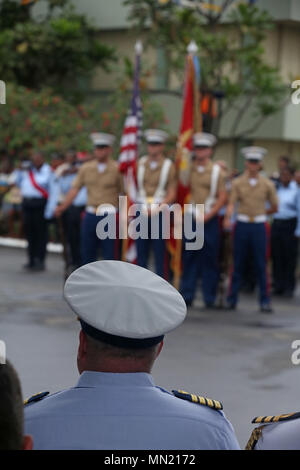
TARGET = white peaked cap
(255,153)
(100,138)
(203,139)
(119,299)
(155,135)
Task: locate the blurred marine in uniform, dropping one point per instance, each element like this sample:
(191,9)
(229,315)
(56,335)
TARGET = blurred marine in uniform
(104,184)
(156,184)
(124,312)
(251,191)
(207,186)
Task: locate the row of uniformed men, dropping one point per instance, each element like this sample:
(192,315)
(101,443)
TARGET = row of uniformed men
(157,182)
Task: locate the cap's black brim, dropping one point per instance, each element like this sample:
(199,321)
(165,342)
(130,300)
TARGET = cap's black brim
(155,142)
(119,341)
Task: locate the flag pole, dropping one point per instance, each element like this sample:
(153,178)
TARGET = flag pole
(192,51)
(130,173)
(138,47)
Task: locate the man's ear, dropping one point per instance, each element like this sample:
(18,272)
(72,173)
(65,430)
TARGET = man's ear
(27,443)
(82,348)
(161,344)
(82,351)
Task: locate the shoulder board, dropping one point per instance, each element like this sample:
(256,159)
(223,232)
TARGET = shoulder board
(37,397)
(254,438)
(214,404)
(275,419)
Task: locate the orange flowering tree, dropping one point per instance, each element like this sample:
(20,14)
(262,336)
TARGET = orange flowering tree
(43,120)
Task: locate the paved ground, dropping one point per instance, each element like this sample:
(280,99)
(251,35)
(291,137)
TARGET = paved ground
(241,358)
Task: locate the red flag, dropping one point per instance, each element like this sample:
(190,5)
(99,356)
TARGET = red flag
(27,2)
(190,123)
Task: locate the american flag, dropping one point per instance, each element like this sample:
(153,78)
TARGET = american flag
(130,140)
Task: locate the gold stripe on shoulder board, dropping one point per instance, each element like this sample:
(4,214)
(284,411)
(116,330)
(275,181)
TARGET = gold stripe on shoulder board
(213,404)
(275,418)
(194,398)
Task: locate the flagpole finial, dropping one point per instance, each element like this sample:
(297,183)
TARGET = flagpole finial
(139,47)
(192,48)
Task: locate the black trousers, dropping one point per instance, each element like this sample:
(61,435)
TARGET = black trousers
(36,229)
(71,224)
(284,254)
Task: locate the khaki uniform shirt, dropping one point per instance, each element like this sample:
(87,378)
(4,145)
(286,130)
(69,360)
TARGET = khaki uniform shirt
(152,177)
(102,188)
(252,199)
(200,183)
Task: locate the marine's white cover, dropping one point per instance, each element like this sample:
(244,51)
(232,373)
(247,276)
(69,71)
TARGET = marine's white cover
(254,153)
(123,299)
(204,139)
(155,135)
(100,138)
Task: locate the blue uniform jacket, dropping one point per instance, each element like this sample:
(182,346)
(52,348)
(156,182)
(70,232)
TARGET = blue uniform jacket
(124,411)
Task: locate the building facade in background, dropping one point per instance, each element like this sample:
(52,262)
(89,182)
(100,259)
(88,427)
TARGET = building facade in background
(279,134)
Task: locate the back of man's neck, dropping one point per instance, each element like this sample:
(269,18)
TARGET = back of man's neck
(118,370)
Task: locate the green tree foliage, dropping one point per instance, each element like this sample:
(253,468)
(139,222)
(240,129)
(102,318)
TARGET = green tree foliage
(45,121)
(42,120)
(231,52)
(59,49)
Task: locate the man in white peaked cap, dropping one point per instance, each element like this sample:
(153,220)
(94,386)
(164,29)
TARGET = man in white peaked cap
(104,184)
(124,311)
(156,184)
(251,191)
(207,187)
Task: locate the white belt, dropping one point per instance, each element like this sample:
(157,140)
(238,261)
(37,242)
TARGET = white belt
(259,219)
(102,211)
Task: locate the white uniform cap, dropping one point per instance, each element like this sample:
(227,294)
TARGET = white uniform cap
(123,304)
(254,153)
(203,139)
(155,135)
(100,138)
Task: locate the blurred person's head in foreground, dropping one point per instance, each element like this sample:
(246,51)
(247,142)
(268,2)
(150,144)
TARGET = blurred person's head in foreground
(12,411)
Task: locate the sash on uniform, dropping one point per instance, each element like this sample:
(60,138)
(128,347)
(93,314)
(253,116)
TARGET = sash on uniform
(211,200)
(41,190)
(160,190)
